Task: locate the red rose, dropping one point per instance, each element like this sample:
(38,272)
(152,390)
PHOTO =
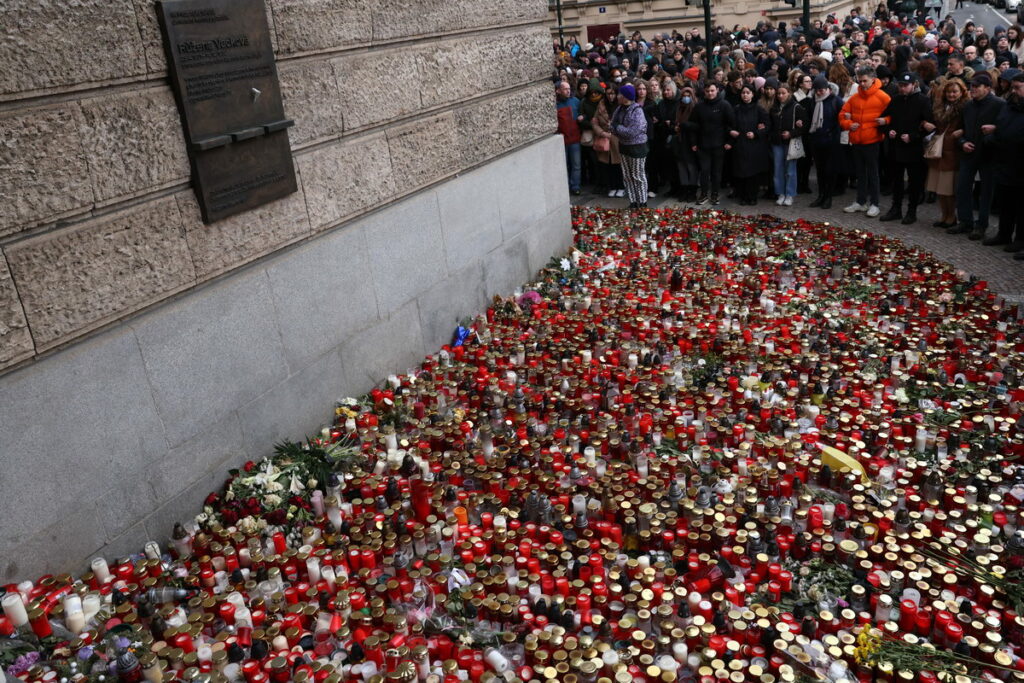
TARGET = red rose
(211,499)
(249,466)
(276,517)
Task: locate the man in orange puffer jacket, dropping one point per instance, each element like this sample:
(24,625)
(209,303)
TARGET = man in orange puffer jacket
(862,114)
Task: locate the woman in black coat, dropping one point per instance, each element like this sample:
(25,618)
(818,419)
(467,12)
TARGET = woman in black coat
(749,142)
(683,144)
(662,156)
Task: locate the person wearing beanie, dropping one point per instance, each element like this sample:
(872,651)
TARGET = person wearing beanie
(629,125)
(884,74)
(980,116)
(692,74)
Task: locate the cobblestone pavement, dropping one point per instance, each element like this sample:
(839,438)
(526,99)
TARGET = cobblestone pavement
(1003,274)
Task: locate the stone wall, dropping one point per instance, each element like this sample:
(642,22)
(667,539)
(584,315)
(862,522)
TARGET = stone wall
(142,351)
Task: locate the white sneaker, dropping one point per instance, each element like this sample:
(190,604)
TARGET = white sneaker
(611,193)
(789,201)
(873,211)
(780,200)
(854,208)
(620,193)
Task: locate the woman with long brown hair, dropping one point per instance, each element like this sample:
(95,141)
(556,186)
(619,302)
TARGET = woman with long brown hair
(683,142)
(948,110)
(609,162)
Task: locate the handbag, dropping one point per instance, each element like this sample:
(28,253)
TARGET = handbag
(602,144)
(796,149)
(933,148)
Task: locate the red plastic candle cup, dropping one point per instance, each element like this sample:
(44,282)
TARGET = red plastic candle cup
(908,615)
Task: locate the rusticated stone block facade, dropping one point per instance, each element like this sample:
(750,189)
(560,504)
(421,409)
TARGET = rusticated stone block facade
(388,97)
(142,352)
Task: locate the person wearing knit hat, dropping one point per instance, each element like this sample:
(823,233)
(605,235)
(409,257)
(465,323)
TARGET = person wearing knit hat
(693,73)
(629,125)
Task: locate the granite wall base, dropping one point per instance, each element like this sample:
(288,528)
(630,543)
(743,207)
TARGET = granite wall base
(106,443)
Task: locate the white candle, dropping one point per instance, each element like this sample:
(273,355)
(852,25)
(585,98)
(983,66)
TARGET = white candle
(100,569)
(74,617)
(313,569)
(91,605)
(496,660)
(152,550)
(327,573)
(14,608)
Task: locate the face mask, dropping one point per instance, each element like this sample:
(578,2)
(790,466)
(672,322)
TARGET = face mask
(687,99)
(618,79)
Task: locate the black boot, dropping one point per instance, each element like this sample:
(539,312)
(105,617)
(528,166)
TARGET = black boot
(826,202)
(911,216)
(996,241)
(894,213)
(976,234)
(817,202)
(959,229)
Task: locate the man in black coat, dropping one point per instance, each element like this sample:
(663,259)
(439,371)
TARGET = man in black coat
(906,112)
(980,116)
(1006,140)
(710,122)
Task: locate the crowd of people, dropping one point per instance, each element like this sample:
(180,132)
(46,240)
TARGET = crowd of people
(909,107)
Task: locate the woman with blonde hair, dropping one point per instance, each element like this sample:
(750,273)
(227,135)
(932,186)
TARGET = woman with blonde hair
(948,111)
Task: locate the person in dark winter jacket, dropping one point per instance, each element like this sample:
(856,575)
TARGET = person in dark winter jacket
(823,138)
(789,121)
(710,122)
(980,115)
(1007,142)
(907,112)
(683,144)
(663,126)
(749,143)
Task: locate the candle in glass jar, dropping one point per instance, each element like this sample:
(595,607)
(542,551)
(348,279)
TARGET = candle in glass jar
(100,569)
(14,608)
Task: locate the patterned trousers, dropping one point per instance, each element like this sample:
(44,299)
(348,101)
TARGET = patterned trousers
(634,176)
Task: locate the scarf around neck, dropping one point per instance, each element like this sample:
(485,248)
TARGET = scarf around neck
(818,117)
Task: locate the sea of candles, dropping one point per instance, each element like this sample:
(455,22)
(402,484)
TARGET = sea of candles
(700,447)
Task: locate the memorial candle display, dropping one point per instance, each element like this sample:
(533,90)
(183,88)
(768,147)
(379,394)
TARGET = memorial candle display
(700,447)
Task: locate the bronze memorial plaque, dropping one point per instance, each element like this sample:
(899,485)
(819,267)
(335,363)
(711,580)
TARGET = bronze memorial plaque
(221,65)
